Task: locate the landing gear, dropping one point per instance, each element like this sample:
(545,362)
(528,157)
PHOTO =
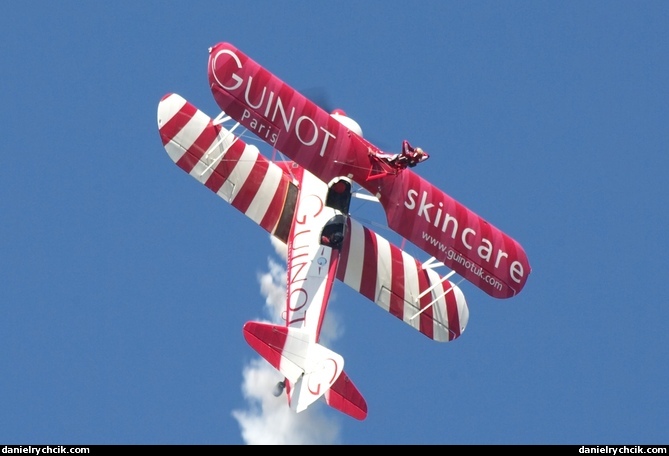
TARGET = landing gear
(278,388)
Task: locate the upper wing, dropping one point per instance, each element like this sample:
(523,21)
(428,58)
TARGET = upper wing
(399,284)
(280,115)
(416,209)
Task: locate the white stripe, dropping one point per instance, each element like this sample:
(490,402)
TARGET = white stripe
(383,271)
(203,169)
(294,354)
(169,107)
(175,151)
(221,143)
(184,139)
(200,171)
(353,276)
(241,171)
(261,201)
(439,313)
(411,290)
(192,130)
(463,309)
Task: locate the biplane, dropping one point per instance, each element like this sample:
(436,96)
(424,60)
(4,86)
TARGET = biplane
(303,201)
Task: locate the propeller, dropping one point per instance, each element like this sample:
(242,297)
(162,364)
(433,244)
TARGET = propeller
(320,96)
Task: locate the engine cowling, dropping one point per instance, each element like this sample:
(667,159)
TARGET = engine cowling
(346,121)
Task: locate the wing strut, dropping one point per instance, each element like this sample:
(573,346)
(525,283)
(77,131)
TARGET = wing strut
(432,263)
(443,279)
(438,297)
(220,119)
(364,196)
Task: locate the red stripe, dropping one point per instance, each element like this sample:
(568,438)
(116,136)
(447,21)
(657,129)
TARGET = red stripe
(343,256)
(334,262)
(187,162)
(452,312)
(225,167)
(397,283)
(197,150)
(268,340)
(173,126)
(426,323)
(203,142)
(250,186)
(271,217)
(369,266)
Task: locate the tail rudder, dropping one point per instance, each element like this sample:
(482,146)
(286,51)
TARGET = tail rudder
(322,369)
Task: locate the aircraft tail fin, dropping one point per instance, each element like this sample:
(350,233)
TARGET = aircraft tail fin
(310,368)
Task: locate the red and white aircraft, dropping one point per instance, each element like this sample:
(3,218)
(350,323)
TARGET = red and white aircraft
(304,203)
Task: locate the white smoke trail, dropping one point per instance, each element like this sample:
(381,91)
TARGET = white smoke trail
(268,420)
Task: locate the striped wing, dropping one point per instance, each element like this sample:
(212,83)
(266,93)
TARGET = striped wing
(394,280)
(234,170)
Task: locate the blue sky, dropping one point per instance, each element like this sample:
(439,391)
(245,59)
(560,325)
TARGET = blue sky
(124,284)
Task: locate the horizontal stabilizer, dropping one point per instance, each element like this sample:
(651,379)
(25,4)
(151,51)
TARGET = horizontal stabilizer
(271,342)
(311,368)
(346,398)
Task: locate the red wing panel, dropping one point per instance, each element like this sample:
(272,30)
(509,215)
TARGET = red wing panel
(266,339)
(454,235)
(283,117)
(415,209)
(395,281)
(345,397)
(235,171)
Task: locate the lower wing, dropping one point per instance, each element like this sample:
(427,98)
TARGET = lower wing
(401,285)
